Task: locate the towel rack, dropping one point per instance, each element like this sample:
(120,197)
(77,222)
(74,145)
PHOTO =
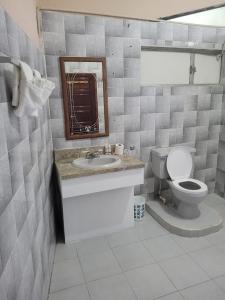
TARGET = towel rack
(11,60)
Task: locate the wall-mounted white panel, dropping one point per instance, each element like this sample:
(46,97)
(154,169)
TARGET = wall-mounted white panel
(160,67)
(213,17)
(207,69)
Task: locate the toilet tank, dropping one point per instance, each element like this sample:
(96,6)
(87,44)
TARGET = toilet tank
(159,157)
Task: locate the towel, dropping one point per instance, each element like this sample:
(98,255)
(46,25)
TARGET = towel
(15,86)
(42,88)
(30,91)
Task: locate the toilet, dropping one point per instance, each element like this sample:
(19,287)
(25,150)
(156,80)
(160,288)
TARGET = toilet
(175,165)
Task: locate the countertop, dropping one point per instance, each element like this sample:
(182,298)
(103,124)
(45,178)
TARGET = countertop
(67,170)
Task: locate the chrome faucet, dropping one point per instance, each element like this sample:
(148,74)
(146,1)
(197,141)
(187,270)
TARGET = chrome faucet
(92,155)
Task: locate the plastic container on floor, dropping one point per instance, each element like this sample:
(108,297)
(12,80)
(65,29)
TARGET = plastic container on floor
(139,207)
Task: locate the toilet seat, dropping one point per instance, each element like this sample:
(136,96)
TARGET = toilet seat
(179,163)
(179,167)
(203,187)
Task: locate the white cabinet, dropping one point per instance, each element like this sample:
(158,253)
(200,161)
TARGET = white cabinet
(99,204)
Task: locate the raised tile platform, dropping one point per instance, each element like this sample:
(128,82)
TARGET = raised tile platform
(208,222)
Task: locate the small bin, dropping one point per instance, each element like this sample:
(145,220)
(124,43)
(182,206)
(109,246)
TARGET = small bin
(139,208)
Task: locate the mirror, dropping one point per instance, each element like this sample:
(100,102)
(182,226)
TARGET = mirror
(85,99)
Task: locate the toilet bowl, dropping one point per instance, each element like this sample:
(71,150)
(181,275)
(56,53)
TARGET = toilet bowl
(187,193)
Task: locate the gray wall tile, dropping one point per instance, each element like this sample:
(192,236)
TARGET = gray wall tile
(149,30)
(180,32)
(165,31)
(54,43)
(144,116)
(74,24)
(132,28)
(75,45)
(25,160)
(113,27)
(51,22)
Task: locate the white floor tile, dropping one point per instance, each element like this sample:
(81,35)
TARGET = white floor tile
(112,288)
(216,238)
(79,292)
(149,229)
(174,296)
(163,247)
(64,251)
(66,274)
(220,281)
(205,291)
(191,243)
(132,256)
(214,199)
(99,265)
(220,208)
(89,246)
(147,218)
(149,282)
(212,260)
(183,272)
(123,237)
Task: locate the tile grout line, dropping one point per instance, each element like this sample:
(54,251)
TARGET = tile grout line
(197,263)
(85,280)
(198,284)
(140,241)
(124,274)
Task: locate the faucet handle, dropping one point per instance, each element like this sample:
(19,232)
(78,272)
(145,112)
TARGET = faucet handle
(84,153)
(88,154)
(100,151)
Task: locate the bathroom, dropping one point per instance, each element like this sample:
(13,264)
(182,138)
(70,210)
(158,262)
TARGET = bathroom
(62,233)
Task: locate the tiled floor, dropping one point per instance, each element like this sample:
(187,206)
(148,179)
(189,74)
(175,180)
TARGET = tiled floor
(142,263)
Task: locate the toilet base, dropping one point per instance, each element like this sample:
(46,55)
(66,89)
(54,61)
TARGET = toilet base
(187,211)
(208,222)
(181,208)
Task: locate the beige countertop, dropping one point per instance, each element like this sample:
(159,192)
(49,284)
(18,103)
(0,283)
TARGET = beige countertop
(67,170)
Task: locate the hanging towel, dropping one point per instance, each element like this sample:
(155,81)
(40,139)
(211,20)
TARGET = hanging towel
(15,86)
(32,91)
(42,88)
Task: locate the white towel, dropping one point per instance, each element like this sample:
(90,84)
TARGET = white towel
(33,91)
(15,86)
(42,88)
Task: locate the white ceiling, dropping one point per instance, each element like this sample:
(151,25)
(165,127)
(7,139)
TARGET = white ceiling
(141,9)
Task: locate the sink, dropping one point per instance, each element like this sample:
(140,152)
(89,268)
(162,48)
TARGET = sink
(103,161)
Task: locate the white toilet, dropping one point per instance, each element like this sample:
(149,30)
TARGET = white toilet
(175,165)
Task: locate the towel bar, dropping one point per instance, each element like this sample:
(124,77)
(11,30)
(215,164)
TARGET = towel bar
(11,60)
(7,59)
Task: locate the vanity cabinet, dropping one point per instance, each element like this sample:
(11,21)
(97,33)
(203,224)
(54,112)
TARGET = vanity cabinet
(99,204)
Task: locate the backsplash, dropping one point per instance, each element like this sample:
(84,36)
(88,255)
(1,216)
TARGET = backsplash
(26,217)
(146,117)
(79,152)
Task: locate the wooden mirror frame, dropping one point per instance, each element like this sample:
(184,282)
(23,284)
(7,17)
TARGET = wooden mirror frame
(68,135)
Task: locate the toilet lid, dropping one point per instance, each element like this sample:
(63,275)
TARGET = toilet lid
(179,163)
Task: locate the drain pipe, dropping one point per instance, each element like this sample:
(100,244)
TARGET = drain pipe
(163,199)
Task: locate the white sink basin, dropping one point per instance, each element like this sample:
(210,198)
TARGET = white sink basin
(103,161)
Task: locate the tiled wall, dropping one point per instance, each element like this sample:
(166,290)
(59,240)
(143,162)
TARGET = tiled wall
(142,116)
(220,178)
(26,216)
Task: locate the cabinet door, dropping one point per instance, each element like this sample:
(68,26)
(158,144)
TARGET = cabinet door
(161,67)
(207,69)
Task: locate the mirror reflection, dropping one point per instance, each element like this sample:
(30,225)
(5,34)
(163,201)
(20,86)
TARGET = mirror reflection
(84,96)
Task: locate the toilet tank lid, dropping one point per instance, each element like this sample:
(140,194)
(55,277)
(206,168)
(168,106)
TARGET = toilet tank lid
(164,151)
(179,163)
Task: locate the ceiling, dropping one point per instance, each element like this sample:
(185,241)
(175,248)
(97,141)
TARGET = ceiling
(142,9)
